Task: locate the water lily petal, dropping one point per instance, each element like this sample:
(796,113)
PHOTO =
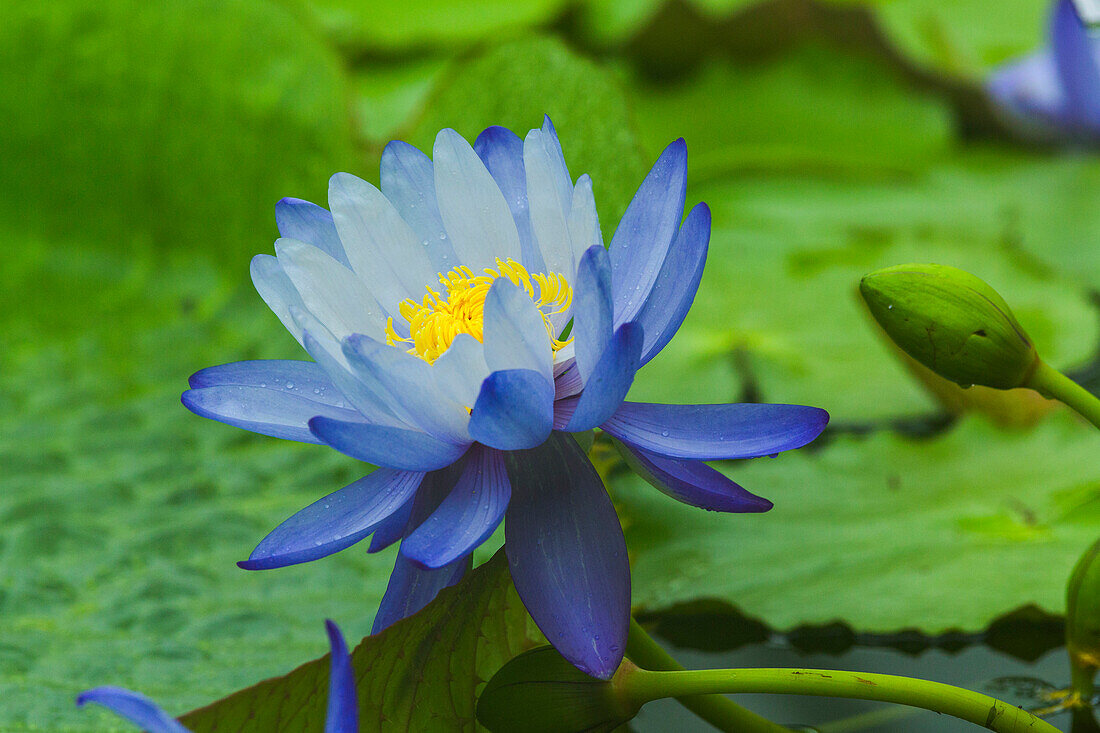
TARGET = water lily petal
(514,410)
(461,369)
(567,554)
(412,587)
(473,208)
(710,432)
(1076,64)
(343,705)
(382,248)
(408,181)
(392,528)
(514,332)
(133,706)
(642,238)
(335,295)
(469,514)
(275,411)
(608,384)
(584,220)
(384,445)
(1029,89)
(692,482)
(592,324)
(277,291)
(337,521)
(677,282)
(567,382)
(307,222)
(409,388)
(303,378)
(502,152)
(550,196)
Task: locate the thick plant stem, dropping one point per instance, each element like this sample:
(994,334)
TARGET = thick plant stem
(721,712)
(946,699)
(1050,382)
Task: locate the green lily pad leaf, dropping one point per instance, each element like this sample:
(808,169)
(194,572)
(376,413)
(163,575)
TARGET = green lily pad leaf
(387,94)
(134,124)
(884,533)
(793,111)
(964,38)
(516,83)
(777,315)
(422,673)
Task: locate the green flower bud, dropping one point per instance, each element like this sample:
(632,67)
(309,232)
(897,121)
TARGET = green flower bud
(952,322)
(1083,621)
(539,691)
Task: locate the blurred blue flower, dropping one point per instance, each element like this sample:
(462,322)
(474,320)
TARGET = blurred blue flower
(463,320)
(343,709)
(1055,94)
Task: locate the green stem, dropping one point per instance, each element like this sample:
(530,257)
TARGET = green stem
(946,699)
(721,712)
(1050,382)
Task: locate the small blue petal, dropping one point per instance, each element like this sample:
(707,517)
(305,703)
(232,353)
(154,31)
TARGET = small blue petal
(514,331)
(304,378)
(412,587)
(607,386)
(392,528)
(502,152)
(674,290)
(692,482)
(276,410)
(309,223)
(135,707)
(343,706)
(710,432)
(337,521)
(567,554)
(408,181)
(1075,61)
(469,514)
(592,306)
(514,410)
(387,446)
(642,239)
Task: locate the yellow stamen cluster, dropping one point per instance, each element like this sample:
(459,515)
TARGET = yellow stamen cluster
(434,323)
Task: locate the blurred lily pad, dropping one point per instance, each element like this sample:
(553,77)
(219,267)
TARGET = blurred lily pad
(882,533)
(422,673)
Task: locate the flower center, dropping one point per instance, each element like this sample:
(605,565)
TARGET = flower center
(439,319)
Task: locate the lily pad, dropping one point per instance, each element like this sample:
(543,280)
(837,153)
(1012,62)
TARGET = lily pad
(422,673)
(884,533)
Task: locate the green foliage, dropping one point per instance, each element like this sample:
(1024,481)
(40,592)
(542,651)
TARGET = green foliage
(883,533)
(422,673)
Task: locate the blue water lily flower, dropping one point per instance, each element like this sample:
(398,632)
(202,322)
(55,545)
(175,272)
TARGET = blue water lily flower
(1055,94)
(343,708)
(463,320)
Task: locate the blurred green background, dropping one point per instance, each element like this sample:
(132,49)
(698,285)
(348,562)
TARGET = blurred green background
(143,148)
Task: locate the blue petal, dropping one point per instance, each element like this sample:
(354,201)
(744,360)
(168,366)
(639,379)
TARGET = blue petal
(461,369)
(392,528)
(276,289)
(674,290)
(343,706)
(387,446)
(709,432)
(408,181)
(1030,91)
(643,237)
(274,411)
(337,521)
(692,482)
(550,197)
(502,152)
(567,554)
(308,222)
(607,386)
(592,322)
(514,410)
(412,587)
(1076,64)
(304,378)
(515,334)
(136,708)
(469,514)
(409,387)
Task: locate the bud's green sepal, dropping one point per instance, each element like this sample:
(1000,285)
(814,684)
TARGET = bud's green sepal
(1083,622)
(952,322)
(539,691)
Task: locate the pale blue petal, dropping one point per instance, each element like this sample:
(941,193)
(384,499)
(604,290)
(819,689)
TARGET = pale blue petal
(277,291)
(303,378)
(550,196)
(473,208)
(461,369)
(584,221)
(309,223)
(337,521)
(592,324)
(408,181)
(514,331)
(502,152)
(276,411)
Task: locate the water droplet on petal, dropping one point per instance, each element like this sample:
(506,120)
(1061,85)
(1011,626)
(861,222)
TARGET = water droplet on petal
(443,235)
(263,385)
(290,385)
(664,433)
